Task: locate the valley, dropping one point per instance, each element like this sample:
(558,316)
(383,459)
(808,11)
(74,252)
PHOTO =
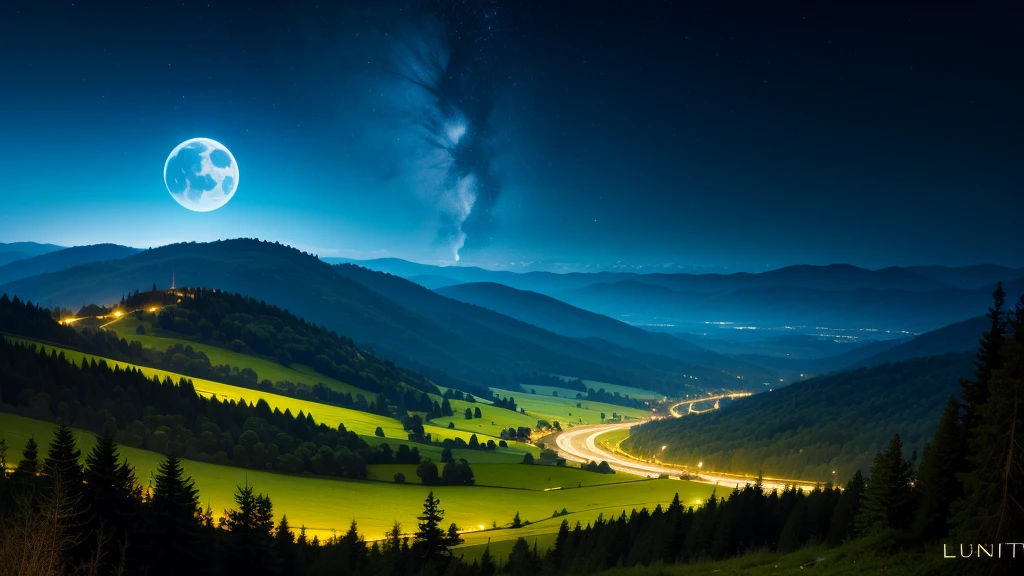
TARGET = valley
(609,422)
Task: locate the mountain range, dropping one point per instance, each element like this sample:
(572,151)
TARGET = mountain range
(21,250)
(895,301)
(491,333)
(61,259)
(448,340)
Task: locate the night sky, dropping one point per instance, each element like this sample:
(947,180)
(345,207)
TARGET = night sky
(545,134)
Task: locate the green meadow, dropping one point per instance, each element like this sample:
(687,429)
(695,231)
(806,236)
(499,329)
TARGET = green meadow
(636,393)
(564,410)
(265,369)
(538,407)
(492,421)
(511,455)
(521,476)
(326,505)
(610,440)
(362,423)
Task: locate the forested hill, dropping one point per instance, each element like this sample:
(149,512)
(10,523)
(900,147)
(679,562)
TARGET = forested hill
(524,347)
(807,430)
(246,324)
(452,343)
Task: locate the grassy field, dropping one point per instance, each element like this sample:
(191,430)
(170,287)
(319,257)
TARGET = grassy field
(326,505)
(492,421)
(538,407)
(511,455)
(362,423)
(635,393)
(610,440)
(266,369)
(564,410)
(521,476)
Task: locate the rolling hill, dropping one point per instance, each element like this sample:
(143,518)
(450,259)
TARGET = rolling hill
(958,337)
(60,259)
(806,430)
(451,342)
(913,299)
(530,343)
(561,318)
(20,250)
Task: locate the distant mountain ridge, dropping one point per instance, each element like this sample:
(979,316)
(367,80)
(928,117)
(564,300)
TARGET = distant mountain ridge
(912,299)
(63,258)
(832,276)
(20,250)
(955,338)
(449,341)
(557,316)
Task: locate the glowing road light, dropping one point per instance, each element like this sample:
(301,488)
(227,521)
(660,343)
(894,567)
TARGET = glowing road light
(153,309)
(665,446)
(481,526)
(700,464)
(118,314)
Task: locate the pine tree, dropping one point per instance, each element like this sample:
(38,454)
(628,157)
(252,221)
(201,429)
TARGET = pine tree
(992,509)
(886,502)
(487,567)
(24,475)
(842,524)
(521,561)
(430,540)
(284,547)
(937,483)
(250,538)
(112,495)
(989,359)
(454,538)
(63,464)
(173,526)
(354,547)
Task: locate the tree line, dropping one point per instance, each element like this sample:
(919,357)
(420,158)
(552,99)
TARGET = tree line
(807,430)
(58,517)
(392,398)
(169,417)
(249,325)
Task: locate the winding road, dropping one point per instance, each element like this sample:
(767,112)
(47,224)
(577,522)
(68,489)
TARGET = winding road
(579,444)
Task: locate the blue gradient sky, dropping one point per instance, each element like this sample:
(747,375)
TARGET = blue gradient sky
(724,135)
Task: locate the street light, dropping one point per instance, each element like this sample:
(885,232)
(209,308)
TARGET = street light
(700,464)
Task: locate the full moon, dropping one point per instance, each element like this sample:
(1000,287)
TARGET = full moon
(201,174)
